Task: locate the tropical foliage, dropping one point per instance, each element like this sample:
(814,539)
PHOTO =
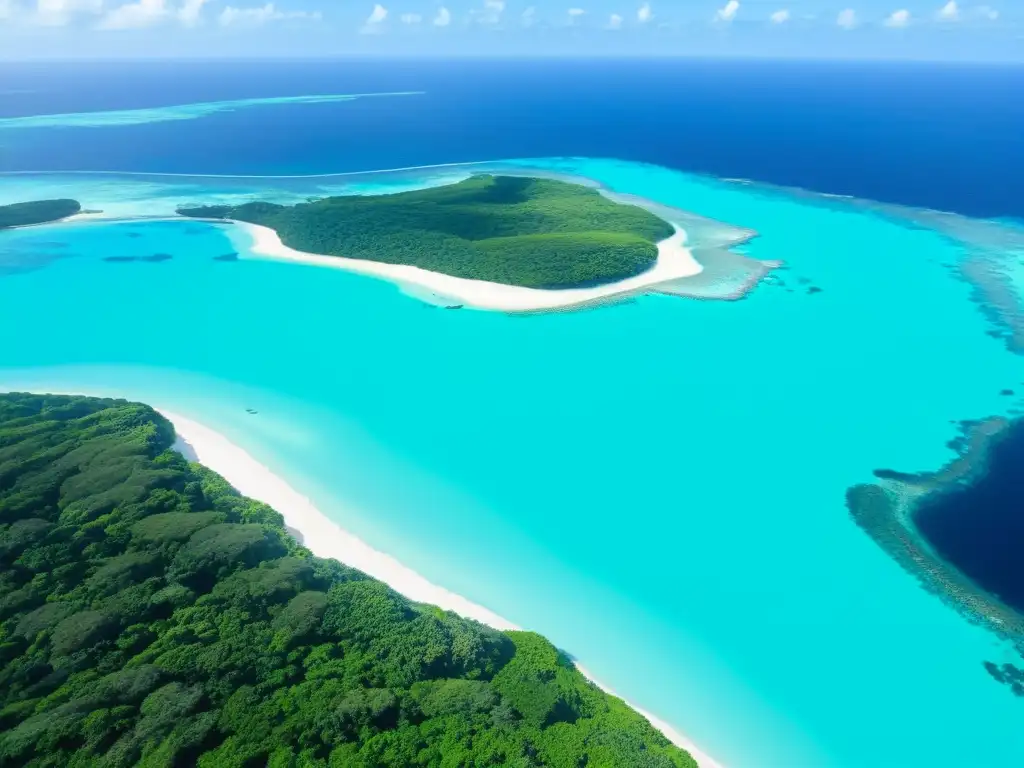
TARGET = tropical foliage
(537,233)
(37,212)
(151,616)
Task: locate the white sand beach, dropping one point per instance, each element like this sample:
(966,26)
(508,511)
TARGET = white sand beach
(326,539)
(674,262)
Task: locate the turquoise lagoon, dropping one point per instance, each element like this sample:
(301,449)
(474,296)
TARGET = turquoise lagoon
(658,486)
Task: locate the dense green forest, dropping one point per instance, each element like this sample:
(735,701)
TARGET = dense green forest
(537,233)
(37,212)
(151,616)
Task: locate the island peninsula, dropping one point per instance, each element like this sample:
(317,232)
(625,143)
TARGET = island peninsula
(152,615)
(37,212)
(511,230)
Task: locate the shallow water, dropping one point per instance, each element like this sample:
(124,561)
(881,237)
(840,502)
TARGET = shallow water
(657,486)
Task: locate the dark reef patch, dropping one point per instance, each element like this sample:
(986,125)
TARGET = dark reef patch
(978,526)
(959,531)
(226,257)
(996,296)
(1008,675)
(155,258)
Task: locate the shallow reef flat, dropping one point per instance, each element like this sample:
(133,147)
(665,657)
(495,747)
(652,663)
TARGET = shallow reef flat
(140,116)
(719,270)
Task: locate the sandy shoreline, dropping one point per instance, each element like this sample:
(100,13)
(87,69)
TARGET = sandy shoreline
(328,540)
(674,262)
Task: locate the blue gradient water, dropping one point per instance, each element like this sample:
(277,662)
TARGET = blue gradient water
(657,486)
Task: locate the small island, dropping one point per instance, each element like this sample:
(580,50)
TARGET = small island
(37,212)
(525,232)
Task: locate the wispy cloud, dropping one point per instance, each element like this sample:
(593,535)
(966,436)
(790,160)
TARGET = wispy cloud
(148,13)
(411,18)
(575,14)
(988,12)
(728,12)
(375,20)
(644,13)
(190,12)
(490,13)
(847,18)
(781,16)
(144,13)
(614,22)
(231,16)
(529,17)
(898,19)
(443,17)
(57,13)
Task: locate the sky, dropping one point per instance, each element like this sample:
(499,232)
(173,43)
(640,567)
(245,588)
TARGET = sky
(954,30)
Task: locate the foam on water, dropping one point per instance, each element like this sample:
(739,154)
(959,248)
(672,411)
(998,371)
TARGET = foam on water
(658,486)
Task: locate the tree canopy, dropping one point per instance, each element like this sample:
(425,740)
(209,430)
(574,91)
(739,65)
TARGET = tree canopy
(37,212)
(151,616)
(537,233)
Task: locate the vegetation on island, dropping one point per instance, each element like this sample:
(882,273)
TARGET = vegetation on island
(537,233)
(151,616)
(37,212)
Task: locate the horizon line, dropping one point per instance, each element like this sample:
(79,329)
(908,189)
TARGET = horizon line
(510,57)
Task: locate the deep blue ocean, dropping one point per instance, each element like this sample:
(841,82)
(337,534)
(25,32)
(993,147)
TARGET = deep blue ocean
(659,485)
(947,137)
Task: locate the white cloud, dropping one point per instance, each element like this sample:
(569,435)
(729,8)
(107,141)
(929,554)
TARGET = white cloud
(529,17)
(411,18)
(728,12)
(190,12)
(948,12)
(232,16)
(443,18)
(148,13)
(574,14)
(615,21)
(780,17)
(644,13)
(57,13)
(988,12)
(144,13)
(898,19)
(847,18)
(491,12)
(374,21)
(6,9)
